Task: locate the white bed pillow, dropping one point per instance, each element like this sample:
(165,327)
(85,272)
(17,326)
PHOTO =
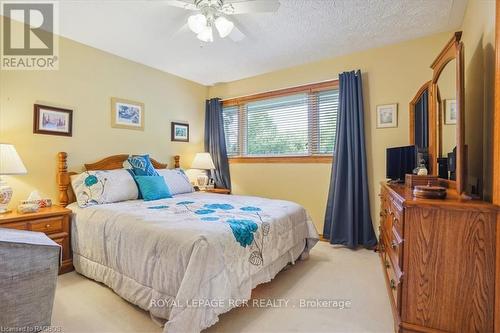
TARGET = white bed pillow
(176,180)
(104,186)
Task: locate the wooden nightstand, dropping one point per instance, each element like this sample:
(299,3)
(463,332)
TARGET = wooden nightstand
(53,221)
(217,190)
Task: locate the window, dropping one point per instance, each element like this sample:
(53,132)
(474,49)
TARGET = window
(298,122)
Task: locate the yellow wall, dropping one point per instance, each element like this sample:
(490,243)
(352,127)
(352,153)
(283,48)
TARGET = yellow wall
(479,43)
(85,82)
(391,74)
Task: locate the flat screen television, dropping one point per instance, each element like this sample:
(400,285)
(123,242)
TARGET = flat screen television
(400,161)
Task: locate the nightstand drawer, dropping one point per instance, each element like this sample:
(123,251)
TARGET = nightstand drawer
(48,225)
(54,221)
(15,225)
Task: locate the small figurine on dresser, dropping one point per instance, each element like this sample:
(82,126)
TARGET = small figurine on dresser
(421,169)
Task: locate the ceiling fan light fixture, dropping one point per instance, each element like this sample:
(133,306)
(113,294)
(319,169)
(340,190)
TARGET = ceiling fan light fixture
(224,26)
(197,23)
(206,35)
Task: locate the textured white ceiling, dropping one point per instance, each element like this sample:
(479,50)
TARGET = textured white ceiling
(302,31)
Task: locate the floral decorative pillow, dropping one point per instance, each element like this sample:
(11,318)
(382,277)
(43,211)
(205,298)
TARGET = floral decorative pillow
(142,166)
(101,187)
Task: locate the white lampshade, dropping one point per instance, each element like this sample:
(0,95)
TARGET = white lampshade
(224,26)
(197,23)
(203,161)
(10,162)
(206,35)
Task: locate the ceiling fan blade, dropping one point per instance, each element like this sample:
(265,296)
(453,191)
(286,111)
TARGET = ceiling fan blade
(181,4)
(236,35)
(254,6)
(182,30)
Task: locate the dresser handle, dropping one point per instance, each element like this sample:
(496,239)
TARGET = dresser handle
(393,284)
(394,245)
(47,226)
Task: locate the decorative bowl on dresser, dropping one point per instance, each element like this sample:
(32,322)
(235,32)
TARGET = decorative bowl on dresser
(439,261)
(54,221)
(429,192)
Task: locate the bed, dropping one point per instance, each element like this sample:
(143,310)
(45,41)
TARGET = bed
(189,258)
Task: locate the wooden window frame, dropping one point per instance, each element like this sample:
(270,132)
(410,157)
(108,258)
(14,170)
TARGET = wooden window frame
(240,101)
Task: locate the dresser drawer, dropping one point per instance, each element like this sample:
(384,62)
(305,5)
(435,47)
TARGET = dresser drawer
(15,225)
(396,216)
(394,281)
(392,246)
(48,225)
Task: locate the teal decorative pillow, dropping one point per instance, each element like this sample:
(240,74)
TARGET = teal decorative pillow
(142,166)
(153,187)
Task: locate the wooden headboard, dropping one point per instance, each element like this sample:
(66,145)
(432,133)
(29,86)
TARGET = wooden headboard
(66,195)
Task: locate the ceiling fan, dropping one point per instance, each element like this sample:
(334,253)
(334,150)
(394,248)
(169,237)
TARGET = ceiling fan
(214,13)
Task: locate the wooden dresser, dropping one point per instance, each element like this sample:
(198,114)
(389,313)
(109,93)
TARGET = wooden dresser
(439,261)
(53,221)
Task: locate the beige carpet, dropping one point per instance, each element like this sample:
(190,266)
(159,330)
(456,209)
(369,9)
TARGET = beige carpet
(331,273)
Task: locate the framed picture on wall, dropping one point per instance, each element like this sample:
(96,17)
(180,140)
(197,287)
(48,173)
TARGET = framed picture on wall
(127,114)
(450,111)
(387,115)
(52,120)
(180,132)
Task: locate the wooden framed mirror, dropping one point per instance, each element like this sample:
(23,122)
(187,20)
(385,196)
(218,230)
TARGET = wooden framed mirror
(446,115)
(437,117)
(419,120)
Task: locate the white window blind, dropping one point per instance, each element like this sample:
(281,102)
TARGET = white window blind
(301,124)
(328,105)
(231,119)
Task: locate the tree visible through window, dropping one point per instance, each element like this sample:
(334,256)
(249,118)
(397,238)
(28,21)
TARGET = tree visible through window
(298,124)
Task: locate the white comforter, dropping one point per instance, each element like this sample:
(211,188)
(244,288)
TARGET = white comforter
(189,258)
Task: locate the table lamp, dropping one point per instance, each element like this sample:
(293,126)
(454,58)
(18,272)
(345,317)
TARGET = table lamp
(10,164)
(203,161)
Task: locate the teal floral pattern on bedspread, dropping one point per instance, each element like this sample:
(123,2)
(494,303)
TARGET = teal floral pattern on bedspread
(243,231)
(244,222)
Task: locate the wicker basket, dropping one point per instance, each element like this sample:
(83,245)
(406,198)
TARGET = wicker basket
(29,263)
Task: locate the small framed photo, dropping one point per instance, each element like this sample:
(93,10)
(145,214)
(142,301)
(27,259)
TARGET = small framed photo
(387,116)
(127,114)
(180,132)
(450,111)
(53,121)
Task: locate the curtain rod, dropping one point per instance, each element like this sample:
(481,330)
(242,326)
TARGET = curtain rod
(270,91)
